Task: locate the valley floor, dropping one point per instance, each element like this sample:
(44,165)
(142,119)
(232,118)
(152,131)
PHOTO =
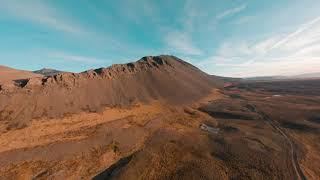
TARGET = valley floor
(157,141)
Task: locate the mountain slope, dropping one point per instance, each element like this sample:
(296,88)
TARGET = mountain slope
(9,74)
(163,78)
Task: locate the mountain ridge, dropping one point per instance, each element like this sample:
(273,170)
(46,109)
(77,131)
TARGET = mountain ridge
(162,78)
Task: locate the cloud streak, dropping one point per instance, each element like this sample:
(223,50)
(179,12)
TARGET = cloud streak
(280,54)
(290,36)
(76,58)
(41,13)
(232,11)
(280,66)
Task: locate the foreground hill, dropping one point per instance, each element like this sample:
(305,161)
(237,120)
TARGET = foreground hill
(9,74)
(162,78)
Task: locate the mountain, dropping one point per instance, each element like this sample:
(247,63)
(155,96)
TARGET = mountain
(307,76)
(279,78)
(9,74)
(163,78)
(264,78)
(47,72)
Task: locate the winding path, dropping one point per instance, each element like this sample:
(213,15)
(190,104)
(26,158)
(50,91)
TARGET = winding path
(294,159)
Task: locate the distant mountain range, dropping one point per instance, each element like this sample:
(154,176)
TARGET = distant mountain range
(47,72)
(307,75)
(278,78)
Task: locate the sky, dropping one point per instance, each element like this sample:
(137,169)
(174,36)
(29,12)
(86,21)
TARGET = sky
(238,38)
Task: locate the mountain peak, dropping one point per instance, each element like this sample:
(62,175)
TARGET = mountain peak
(163,78)
(146,63)
(47,72)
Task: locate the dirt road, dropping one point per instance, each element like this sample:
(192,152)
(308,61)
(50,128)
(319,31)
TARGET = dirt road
(293,154)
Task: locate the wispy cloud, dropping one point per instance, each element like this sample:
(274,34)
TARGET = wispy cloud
(280,54)
(293,35)
(246,49)
(75,58)
(148,10)
(41,13)
(281,66)
(193,13)
(45,15)
(232,11)
(292,65)
(181,43)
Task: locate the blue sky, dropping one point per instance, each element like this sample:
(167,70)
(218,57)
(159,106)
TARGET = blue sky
(225,37)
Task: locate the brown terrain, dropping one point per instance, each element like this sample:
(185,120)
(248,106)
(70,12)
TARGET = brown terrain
(8,75)
(157,118)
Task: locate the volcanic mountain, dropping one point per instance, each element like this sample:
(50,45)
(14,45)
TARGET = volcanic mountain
(163,78)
